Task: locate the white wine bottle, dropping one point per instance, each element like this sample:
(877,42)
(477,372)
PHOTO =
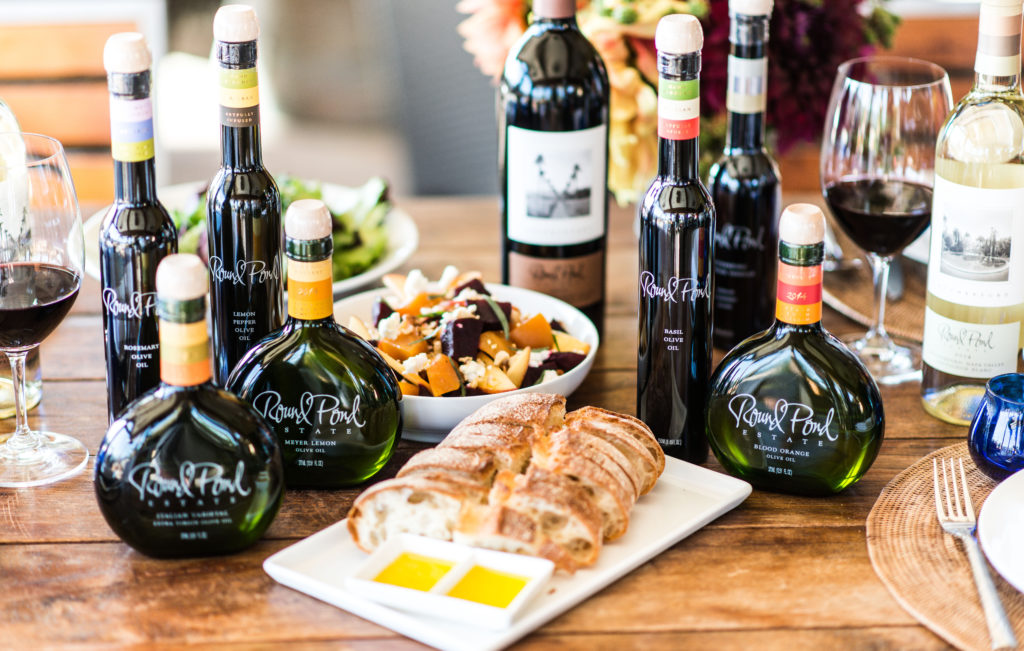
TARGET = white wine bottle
(975,306)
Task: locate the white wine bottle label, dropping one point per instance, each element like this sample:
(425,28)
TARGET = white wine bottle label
(557,180)
(977,245)
(746,92)
(975,350)
(999,26)
(578,281)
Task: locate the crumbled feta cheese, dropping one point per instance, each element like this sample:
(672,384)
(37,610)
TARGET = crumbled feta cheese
(469,294)
(415,364)
(547,376)
(448,276)
(459,312)
(538,357)
(415,284)
(472,372)
(391,326)
(501,358)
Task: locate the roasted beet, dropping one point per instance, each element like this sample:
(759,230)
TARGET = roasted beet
(565,361)
(381,310)
(488,319)
(557,325)
(533,373)
(475,284)
(461,337)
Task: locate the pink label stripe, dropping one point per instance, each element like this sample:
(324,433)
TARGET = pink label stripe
(678,129)
(992,23)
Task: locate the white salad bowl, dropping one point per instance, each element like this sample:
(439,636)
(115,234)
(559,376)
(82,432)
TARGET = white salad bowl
(430,419)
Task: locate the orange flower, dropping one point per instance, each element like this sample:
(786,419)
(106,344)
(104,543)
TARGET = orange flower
(491,30)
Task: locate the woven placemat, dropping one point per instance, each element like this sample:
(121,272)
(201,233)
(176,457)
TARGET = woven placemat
(924,568)
(851,293)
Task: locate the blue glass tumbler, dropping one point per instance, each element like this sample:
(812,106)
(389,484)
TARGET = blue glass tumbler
(995,438)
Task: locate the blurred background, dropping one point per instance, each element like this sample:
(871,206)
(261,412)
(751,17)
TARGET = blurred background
(349,88)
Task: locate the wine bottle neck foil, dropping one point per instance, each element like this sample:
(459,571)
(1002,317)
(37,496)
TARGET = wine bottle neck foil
(997,63)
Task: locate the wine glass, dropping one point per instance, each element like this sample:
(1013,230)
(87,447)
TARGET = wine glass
(877,171)
(41,264)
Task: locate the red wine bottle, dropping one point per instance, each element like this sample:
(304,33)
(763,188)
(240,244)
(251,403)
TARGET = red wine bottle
(243,204)
(677,224)
(136,232)
(188,469)
(553,160)
(745,185)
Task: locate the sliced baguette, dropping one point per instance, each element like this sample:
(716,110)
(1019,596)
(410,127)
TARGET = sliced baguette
(507,444)
(542,411)
(504,529)
(472,465)
(629,435)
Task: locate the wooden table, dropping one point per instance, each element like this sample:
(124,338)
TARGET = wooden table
(779,572)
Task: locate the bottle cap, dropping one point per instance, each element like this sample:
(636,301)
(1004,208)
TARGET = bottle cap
(182,277)
(126,53)
(236,24)
(679,34)
(750,7)
(307,219)
(802,223)
(554,8)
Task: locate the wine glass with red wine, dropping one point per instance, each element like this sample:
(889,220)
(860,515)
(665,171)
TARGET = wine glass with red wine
(877,170)
(41,263)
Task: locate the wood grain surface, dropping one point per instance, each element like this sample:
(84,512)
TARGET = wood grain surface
(779,572)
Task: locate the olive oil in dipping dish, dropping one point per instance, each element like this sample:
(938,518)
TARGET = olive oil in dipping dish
(792,409)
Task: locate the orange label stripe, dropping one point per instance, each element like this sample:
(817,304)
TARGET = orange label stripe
(184,353)
(310,295)
(798,299)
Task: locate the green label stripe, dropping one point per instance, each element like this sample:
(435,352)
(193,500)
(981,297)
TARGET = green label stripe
(238,78)
(132,152)
(678,90)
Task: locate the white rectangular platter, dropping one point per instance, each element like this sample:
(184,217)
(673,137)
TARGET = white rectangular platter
(685,499)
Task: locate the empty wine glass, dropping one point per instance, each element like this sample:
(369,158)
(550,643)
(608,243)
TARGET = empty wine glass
(41,264)
(877,171)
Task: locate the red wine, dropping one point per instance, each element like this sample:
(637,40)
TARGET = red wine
(880,216)
(136,233)
(553,160)
(745,185)
(244,216)
(677,224)
(34,299)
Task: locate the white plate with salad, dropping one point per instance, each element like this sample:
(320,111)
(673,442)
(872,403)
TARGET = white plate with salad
(372,236)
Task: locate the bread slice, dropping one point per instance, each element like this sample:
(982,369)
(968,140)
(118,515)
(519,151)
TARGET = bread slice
(427,506)
(629,435)
(476,466)
(508,445)
(585,459)
(561,508)
(504,529)
(542,411)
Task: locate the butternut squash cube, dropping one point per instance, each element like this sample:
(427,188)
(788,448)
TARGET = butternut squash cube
(491,342)
(569,344)
(535,332)
(442,376)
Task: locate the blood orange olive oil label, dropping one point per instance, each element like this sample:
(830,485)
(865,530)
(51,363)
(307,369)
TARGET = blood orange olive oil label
(557,180)
(239,98)
(798,300)
(310,294)
(678,109)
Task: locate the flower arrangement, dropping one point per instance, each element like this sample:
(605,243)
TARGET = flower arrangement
(808,41)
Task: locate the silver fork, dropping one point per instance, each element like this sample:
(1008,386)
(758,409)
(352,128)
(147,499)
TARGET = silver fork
(957,519)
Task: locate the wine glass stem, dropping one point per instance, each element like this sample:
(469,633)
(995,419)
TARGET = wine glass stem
(22,436)
(880,274)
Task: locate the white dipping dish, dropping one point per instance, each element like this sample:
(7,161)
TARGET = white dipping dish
(403,237)
(430,419)
(1001,529)
(435,602)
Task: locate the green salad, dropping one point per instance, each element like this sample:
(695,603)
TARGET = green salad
(360,237)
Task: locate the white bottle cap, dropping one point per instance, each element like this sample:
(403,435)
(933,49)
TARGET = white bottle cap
(307,219)
(679,34)
(182,277)
(236,24)
(127,53)
(751,7)
(554,8)
(802,223)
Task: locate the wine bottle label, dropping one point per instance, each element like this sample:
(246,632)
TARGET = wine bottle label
(977,245)
(557,185)
(975,350)
(239,98)
(999,28)
(131,129)
(310,295)
(184,353)
(746,91)
(798,298)
(678,109)
(578,281)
